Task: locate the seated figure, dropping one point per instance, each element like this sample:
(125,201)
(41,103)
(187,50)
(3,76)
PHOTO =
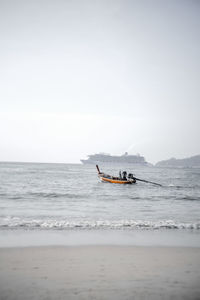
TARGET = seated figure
(124,175)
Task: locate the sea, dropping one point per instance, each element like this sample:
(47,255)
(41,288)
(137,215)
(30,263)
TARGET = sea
(42,197)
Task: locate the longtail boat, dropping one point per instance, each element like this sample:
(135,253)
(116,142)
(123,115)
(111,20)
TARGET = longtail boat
(113,179)
(122,180)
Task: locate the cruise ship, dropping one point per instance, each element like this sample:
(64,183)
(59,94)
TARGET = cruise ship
(103,158)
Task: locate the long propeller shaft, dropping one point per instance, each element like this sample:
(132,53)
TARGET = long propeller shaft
(148,181)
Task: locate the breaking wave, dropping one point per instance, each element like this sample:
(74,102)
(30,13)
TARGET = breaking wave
(16,223)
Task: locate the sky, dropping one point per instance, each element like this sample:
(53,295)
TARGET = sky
(79,77)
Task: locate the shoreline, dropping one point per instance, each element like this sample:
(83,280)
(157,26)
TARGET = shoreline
(36,238)
(99,272)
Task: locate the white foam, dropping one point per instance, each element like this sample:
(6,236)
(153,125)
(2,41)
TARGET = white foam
(16,222)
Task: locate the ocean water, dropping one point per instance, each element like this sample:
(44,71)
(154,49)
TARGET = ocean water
(71,196)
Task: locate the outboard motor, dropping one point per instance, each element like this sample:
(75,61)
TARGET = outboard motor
(130,176)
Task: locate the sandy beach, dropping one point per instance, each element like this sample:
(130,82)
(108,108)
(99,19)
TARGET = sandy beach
(99,272)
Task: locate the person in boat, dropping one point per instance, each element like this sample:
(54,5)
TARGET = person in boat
(120,174)
(124,175)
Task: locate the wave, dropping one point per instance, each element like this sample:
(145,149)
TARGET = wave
(39,195)
(55,195)
(15,223)
(190,198)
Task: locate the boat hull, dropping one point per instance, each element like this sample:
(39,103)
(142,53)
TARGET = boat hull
(117,181)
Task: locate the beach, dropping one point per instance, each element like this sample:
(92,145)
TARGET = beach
(99,272)
(99,152)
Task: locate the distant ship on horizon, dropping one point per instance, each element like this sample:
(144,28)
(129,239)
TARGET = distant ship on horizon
(108,158)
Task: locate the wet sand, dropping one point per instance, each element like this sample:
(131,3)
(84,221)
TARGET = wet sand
(99,272)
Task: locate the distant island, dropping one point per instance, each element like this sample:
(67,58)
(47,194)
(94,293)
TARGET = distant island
(190,162)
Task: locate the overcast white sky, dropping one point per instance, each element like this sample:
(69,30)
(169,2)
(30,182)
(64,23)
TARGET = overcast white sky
(84,76)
